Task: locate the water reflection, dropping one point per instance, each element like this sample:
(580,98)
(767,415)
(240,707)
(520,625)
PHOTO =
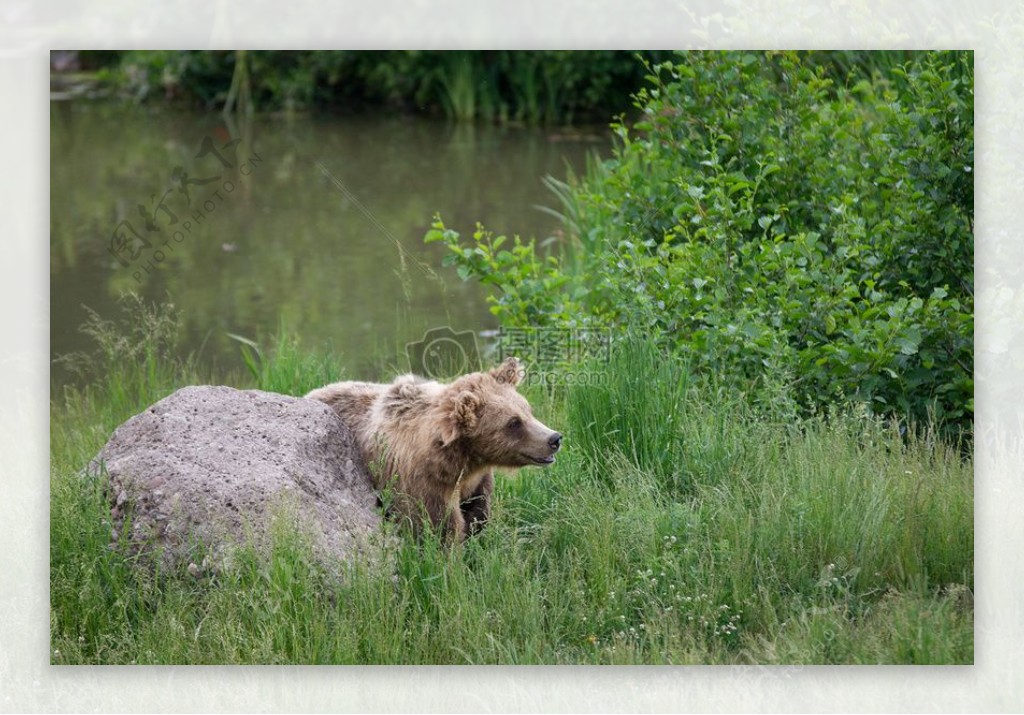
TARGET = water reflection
(322,233)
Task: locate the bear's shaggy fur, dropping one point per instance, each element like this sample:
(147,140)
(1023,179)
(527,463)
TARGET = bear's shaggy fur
(437,445)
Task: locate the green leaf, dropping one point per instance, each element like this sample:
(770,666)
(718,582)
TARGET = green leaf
(909,341)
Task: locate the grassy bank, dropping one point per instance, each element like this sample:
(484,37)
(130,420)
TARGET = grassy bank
(679,526)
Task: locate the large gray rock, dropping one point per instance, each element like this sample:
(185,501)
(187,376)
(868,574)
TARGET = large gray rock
(217,466)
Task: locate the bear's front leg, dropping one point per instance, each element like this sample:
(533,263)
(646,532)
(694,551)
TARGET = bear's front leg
(446,518)
(476,509)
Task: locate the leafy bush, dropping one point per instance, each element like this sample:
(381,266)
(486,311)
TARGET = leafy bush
(772,225)
(533,290)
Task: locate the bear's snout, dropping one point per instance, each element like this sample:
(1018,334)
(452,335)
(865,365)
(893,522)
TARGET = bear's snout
(555,441)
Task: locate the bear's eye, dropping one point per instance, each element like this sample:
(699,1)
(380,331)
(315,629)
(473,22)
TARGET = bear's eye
(515,423)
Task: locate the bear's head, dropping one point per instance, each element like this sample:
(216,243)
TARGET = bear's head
(488,418)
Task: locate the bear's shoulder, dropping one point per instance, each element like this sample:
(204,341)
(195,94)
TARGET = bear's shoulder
(409,394)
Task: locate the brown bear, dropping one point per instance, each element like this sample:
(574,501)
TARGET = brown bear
(437,445)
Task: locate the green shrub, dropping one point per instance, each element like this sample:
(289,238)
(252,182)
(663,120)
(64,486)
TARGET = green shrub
(532,289)
(778,228)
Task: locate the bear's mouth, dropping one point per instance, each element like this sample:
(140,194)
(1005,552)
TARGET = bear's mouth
(550,459)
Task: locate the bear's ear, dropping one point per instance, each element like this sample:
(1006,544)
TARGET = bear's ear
(510,372)
(461,413)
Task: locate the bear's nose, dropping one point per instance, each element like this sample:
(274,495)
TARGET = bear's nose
(555,441)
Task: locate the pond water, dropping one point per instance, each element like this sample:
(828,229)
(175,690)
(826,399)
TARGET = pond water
(313,223)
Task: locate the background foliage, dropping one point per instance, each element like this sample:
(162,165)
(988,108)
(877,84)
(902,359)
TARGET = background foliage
(532,86)
(797,225)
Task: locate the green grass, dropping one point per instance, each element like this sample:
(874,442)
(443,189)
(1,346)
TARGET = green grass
(678,526)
